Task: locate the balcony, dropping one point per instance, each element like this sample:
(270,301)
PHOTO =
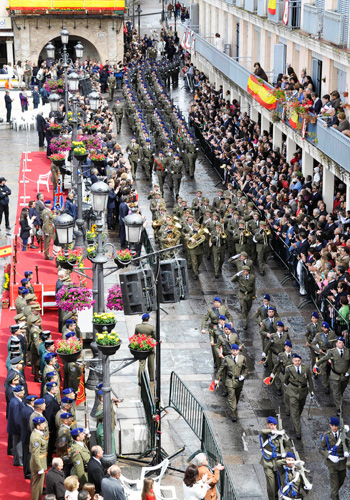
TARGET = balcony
(251,5)
(262,8)
(333,25)
(32,6)
(313,20)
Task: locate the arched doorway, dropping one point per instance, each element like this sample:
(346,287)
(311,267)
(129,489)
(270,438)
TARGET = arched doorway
(89,49)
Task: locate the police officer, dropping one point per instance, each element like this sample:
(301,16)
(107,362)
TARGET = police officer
(146,328)
(334,447)
(299,382)
(236,372)
(79,455)
(246,292)
(38,461)
(274,443)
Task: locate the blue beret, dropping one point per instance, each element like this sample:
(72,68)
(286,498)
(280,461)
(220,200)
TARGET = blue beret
(65,415)
(48,202)
(341,339)
(145,316)
(334,421)
(39,401)
(325,324)
(66,400)
(148,140)
(68,335)
(222,317)
(271,420)
(227,325)
(296,356)
(21,288)
(99,386)
(267,296)
(38,420)
(69,390)
(176,154)
(133,138)
(50,385)
(217,299)
(279,323)
(18,388)
(161,152)
(31,398)
(100,392)
(25,291)
(235,346)
(48,356)
(75,432)
(290,455)
(288,343)
(117,99)
(51,374)
(70,321)
(24,281)
(270,308)
(315,314)
(26,273)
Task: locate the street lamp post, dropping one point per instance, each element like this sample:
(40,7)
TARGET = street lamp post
(138,11)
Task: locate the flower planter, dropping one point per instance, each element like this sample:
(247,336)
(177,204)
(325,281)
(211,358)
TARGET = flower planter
(109,350)
(91,257)
(69,358)
(140,354)
(122,263)
(80,158)
(100,326)
(59,163)
(98,163)
(56,132)
(64,264)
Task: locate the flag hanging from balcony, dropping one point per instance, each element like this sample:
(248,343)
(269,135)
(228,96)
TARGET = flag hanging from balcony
(285,17)
(272,7)
(183,39)
(293,119)
(261,92)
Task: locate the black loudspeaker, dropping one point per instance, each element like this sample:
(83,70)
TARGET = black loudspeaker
(138,291)
(85,87)
(174,281)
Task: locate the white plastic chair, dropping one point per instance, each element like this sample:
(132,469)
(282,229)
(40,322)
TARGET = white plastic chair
(162,466)
(159,490)
(130,493)
(43,179)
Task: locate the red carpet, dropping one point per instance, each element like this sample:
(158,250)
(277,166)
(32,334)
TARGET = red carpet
(12,482)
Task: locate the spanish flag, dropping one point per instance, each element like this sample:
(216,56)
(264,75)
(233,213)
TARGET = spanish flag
(293,119)
(261,93)
(5,251)
(272,7)
(81,390)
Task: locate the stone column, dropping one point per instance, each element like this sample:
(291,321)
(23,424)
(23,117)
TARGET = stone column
(307,164)
(9,51)
(290,149)
(328,188)
(254,114)
(276,137)
(265,123)
(348,195)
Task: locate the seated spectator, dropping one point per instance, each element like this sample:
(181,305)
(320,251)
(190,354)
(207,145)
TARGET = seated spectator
(344,124)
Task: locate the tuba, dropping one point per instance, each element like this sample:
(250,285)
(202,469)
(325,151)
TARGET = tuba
(173,238)
(198,238)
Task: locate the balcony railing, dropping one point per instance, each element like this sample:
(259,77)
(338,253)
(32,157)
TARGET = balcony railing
(333,26)
(313,20)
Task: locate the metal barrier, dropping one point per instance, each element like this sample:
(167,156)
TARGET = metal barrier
(150,408)
(183,401)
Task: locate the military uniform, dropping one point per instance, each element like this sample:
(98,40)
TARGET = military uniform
(283,360)
(159,167)
(218,249)
(261,312)
(196,253)
(147,159)
(34,342)
(291,481)
(339,372)
(147,329)
(111,81)
(320,345)
(274,346)
(332,446)
(271,445)
(267,328)
(38,462)
(118,111)
(175,170)
(311,330)
(191,152)
(236,371)
(20,303)
(134,157)
(80,457)
(48,229)
(262,246)
(64,435)
(213,316)
(298,386)
(246,293)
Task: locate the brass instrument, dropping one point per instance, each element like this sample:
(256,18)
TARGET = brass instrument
(173,238)
(267,232)
(198,238)
(247,232)
(157,223)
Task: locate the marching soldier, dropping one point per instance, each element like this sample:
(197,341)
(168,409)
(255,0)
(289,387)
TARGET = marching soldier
(48,228)
(321,344)
(273,443)
(274,346)
(299,383)
(153,193)
(334,447)
(339,358)
(209,225)
(192,153)
(79,455)
(268,326)
(38,463)
(155,205)
(242,261)
(213,314)
(214,335)
(236,372)
(160,169)
(240,239)
(246,292)
(261,238)
(291,478)
(195,253)
(218,200)
(118,111)
(111,81)
(147,158)
(175,169)
(284,359)
(261,312)
(312,328)
(197,203)
(218,248)
(134,151)
(146,328)
(229,336)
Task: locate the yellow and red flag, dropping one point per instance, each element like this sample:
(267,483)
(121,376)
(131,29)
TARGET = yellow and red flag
(5,251)
(81,390)
(261,93)
(272,7)
(293,119)
(213,386)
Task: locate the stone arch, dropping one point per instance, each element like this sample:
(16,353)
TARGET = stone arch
(89,48)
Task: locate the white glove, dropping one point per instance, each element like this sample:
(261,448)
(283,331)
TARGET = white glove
(346,428)
(139,159)
(346,374)
(263,354)
(308,488)
(239,273)
(86,431)
(283,455)
(41,471)
(240,378)
(272,375)
(279,433)
(312,395)
(333,459)
(216,382)
(346,454)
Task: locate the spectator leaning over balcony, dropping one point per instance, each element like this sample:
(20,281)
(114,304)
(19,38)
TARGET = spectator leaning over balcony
(326,101)
(344,124)
(316,104)
(335,101)
(259,72)
(332,120)
(302,76)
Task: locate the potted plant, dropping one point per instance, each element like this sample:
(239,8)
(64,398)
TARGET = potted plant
(91,251)
(108,342)
(114,298)
(91,142)
(54,86)
(98,159)
(69,350)
(91,236)
(141,345)
(62,260)
(123,258)
(74,298)
(56,129)
(75,255)
(60,145)
(58,159)
(104,320)
(90,128)
(80,153)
